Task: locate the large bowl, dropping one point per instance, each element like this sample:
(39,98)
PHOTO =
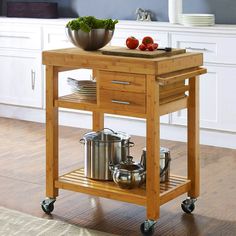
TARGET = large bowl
(95,39)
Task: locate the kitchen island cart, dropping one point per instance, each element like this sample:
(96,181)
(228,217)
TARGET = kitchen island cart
(136,87)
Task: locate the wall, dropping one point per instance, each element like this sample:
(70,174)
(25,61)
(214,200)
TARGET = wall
(125,9)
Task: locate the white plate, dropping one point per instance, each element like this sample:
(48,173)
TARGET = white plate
(198,15)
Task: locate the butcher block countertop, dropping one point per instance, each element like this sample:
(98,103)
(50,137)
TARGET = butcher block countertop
(75,57)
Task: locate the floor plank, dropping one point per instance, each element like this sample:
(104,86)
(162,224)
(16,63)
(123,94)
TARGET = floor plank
(22,185)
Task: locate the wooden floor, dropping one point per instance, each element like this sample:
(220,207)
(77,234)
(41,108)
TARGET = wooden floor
(22,186)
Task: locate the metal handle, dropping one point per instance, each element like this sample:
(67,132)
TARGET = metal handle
(120,82)
(82,141)
(197,49)
(14,36)
(33,79)
(120,102)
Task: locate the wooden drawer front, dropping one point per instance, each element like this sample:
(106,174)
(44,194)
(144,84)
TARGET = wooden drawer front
(20,36)
(123,101)
(214,47)
(122,82)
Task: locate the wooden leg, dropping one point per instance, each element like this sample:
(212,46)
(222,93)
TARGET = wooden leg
(51,132)
(153,149)
(193,137)
(98,121)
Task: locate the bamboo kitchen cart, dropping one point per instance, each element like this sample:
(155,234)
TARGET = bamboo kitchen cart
(130,86)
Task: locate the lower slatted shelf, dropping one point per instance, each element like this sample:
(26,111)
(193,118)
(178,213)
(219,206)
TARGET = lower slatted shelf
(76,181)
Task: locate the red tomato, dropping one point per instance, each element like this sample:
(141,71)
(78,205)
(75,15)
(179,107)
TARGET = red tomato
(155,45)
(132,42)
(150,47)
(147,40)
(142,47)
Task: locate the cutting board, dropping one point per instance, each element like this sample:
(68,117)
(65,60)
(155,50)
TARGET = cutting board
(122,51)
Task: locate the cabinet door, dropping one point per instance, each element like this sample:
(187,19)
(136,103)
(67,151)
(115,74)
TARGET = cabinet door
(21,78)
(217,100)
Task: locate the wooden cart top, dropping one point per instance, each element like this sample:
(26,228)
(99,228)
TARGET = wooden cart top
(78,58)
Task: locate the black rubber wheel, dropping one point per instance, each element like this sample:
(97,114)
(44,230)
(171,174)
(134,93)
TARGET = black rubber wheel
(47,208)
(188,206)
(147,233)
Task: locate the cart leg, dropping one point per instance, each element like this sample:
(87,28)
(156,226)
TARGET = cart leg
(153,150)
(98,121)
(51,132)
(193,137)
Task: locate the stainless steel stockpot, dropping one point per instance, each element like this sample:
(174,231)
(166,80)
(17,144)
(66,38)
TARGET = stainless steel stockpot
(101,148)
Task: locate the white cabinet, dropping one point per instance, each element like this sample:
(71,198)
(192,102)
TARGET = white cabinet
(54,37)
(20,36)
(217,100)
(217,87)
(21,78)
(215,48)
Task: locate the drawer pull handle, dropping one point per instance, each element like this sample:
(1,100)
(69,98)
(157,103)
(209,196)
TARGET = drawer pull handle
(120,82)
(197,49)
(32,79)
(14,36)
(120,102)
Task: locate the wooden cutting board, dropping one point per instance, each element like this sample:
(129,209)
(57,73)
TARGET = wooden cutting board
(122,51)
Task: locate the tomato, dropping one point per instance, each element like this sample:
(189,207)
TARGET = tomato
(155,45)
(132,42)
(147,40)
(142,47)
(150,47)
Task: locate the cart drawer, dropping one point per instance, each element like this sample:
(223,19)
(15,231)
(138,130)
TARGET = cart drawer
(123,101)
(122,81)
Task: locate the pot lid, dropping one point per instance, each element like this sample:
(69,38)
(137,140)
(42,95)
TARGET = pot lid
(106,135)
(129,165)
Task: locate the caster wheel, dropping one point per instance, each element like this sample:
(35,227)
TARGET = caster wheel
(188,205)
(47,206)
(146,232)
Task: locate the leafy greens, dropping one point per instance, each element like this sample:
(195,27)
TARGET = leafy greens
(86,23)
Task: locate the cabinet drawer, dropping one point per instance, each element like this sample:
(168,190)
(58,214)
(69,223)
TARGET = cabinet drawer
(55,37)
(20,36)
(122,81)
(214,47)
(123,101)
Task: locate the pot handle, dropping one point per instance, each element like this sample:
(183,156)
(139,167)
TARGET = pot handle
(165,168)
(107,129)
(129,144)
(82,141)
(111,166)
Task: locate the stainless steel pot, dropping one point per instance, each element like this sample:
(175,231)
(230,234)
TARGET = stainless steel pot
(101,148)
(128,174)
(164,163)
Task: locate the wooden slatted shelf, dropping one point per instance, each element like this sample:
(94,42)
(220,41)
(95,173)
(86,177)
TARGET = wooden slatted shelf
(76,181)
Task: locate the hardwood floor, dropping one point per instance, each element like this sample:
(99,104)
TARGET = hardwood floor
(22,185)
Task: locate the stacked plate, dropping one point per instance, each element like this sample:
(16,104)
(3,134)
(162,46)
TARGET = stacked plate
(84,89)
(198,19)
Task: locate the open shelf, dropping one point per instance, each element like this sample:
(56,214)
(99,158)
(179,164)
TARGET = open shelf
(76,181)
(73,101)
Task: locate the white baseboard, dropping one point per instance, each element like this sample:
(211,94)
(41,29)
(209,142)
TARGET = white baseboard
(133,126)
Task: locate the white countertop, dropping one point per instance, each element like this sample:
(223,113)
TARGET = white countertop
(218,28)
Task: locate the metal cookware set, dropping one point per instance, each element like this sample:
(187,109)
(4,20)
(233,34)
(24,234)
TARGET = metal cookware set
(107,157)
